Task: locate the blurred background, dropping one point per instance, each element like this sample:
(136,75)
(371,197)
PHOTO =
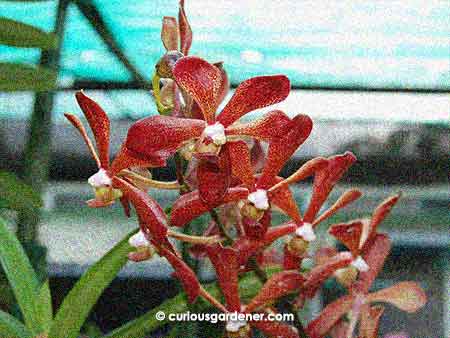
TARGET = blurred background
(373,75)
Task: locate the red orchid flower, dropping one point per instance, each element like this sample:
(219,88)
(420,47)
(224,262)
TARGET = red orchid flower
(105,192)
(407,296)
(358,235)
(162,136)
(154,233)
(226,264)
(279,130)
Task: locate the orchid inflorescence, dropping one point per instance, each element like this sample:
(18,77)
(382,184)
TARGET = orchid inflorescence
(222,169)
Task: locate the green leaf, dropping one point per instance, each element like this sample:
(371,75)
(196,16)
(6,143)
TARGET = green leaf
(249,285)
(21,277)
(16,195)
(44,308)
(12,328)
(84,295)
(16,77)
(19,34)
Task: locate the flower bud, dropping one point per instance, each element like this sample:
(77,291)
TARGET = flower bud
(298,246)
(167,62)
(250,211)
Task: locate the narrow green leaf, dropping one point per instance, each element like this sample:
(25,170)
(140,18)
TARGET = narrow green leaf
(44,303)
(84,295)
(10,327)
(21,277)
(15,77)
(19,34)
(16,195)
(249,285)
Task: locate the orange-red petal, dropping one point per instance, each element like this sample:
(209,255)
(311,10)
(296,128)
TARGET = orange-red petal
(185,30)
(169,33)
(252,94)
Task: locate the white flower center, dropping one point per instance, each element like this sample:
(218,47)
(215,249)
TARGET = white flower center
(360,264)
(306,232)
(139,240)
(235,325)
(259,199)
(100,179)
(217,133)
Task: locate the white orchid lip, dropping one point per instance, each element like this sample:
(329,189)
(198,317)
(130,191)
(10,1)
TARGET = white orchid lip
(139,240)
(360,264)
(306,232)
(235,325)
(216,132)
(100,179)
(259,199)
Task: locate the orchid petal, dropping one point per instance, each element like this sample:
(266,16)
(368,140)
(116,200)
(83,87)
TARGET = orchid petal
(241,166)
(257,228)
(126,158)
(349,234)
(95,203)
(252,94)
(225,262)
(161,136)
(213,180)
(325,180)
(407,296)
(339,330)
(322,272)
(75,121)
(169,33)
(329,316)
(279,285)
(224,84)
(265,128)
(375,256)
(185,30)
(276,329)
(284,200)
(202,81)
(282,148)
(189,206)
(152,219)
(99,123)
(370,320)
(184,273)
(345,199)
(382,211)
(126,205)
(291,261)
(257,155)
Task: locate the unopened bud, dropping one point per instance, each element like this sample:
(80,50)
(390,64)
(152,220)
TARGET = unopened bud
(250,211)
(298,246)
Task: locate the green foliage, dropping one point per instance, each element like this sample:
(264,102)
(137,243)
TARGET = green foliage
(12,328)
(15,77)
(84,295)
(21,277)
(16,195)
(19,34)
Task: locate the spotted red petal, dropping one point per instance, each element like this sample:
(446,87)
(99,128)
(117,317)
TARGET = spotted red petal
(225,262)
(126,158)
(284,200)
(185,30)
(407,296)
(160,136)
(213,180)
(189,206)
(375,256)
(257,155)
(126,205)
(99,123)
(152,219)
(169,33)
(282,148)
(382,211)
(202,81)
(184,273)
(349,234)
(257,228)
(329,316)
(291,261)
(240,162)
(279,285)
(325,180)
(252,94)
(339,330)
(269,126)
(75,121)
(276,329)
(370,320)
(322,272)
(224,84)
